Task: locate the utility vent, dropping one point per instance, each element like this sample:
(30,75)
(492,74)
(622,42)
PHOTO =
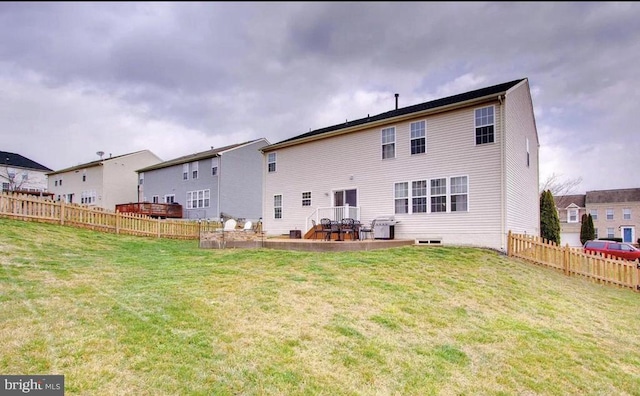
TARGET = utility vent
(430,241)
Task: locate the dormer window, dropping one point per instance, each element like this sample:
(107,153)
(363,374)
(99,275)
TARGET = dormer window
(572,215)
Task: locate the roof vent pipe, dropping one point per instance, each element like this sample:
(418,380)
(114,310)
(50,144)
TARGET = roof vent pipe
(397,101)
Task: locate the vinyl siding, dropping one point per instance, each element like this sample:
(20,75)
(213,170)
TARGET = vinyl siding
(169,181)
(354,161)
(241,181)
(522,195)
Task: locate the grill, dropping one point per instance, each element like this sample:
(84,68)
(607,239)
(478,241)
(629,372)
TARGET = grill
(384,227)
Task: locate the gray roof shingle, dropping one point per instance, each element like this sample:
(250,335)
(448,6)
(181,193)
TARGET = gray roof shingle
(614,196)
(17,160)
(478,93)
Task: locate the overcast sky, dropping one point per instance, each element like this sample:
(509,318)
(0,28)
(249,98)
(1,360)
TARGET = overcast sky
(178,78)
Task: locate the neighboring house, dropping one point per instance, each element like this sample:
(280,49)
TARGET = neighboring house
(221,182)
(458,170)
(615,213)
(18,173)
(103,183)
(570,211)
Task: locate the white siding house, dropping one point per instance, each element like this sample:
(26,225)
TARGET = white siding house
(18,173)
(460,170)
(103,183)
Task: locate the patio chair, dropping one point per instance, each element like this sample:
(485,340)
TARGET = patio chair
(365,232)
(326,228)
(348,226)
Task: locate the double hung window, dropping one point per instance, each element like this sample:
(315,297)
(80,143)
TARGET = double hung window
(271,162)
(388,143)
(418,137)
(484,121)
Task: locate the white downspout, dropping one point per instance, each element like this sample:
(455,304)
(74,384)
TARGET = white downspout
(219,183)
(503,181)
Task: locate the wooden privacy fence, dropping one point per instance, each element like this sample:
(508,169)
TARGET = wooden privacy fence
(24,207)
(574,262)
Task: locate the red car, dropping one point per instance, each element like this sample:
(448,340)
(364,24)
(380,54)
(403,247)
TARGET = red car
(614,249)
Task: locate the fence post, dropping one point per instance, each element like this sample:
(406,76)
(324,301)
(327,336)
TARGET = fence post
(62,213)
(565,259)
(158,224)
(509,244)
(117,222)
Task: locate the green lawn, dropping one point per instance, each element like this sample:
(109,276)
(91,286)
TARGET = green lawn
(120,315)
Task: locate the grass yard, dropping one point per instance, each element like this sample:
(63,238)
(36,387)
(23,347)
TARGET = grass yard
(121,315)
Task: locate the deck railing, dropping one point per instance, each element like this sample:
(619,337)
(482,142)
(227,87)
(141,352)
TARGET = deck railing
(25,207)
(575,262)
(335,213)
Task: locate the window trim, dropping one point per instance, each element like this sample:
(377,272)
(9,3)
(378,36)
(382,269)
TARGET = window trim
(391,144)
(569,212)
(185,171)
(194,170)
(479,134)
(306,200)
(272,159)
(413,138)
(403,195)
(456,194)
(277,209)
(201,200)
(609,212)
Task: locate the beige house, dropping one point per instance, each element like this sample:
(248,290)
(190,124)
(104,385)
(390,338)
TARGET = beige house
(457,170)
(103,183)
(615,213)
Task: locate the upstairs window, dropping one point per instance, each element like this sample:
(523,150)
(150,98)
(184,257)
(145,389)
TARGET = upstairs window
(484,122)
(141,179)
(389,143)
(572,215)
(528,155)
(185,171)
(84,175)
(271,162)
(594,214)
(194,170)
(626,214)
(418,137)
(609,214)
(214,166)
